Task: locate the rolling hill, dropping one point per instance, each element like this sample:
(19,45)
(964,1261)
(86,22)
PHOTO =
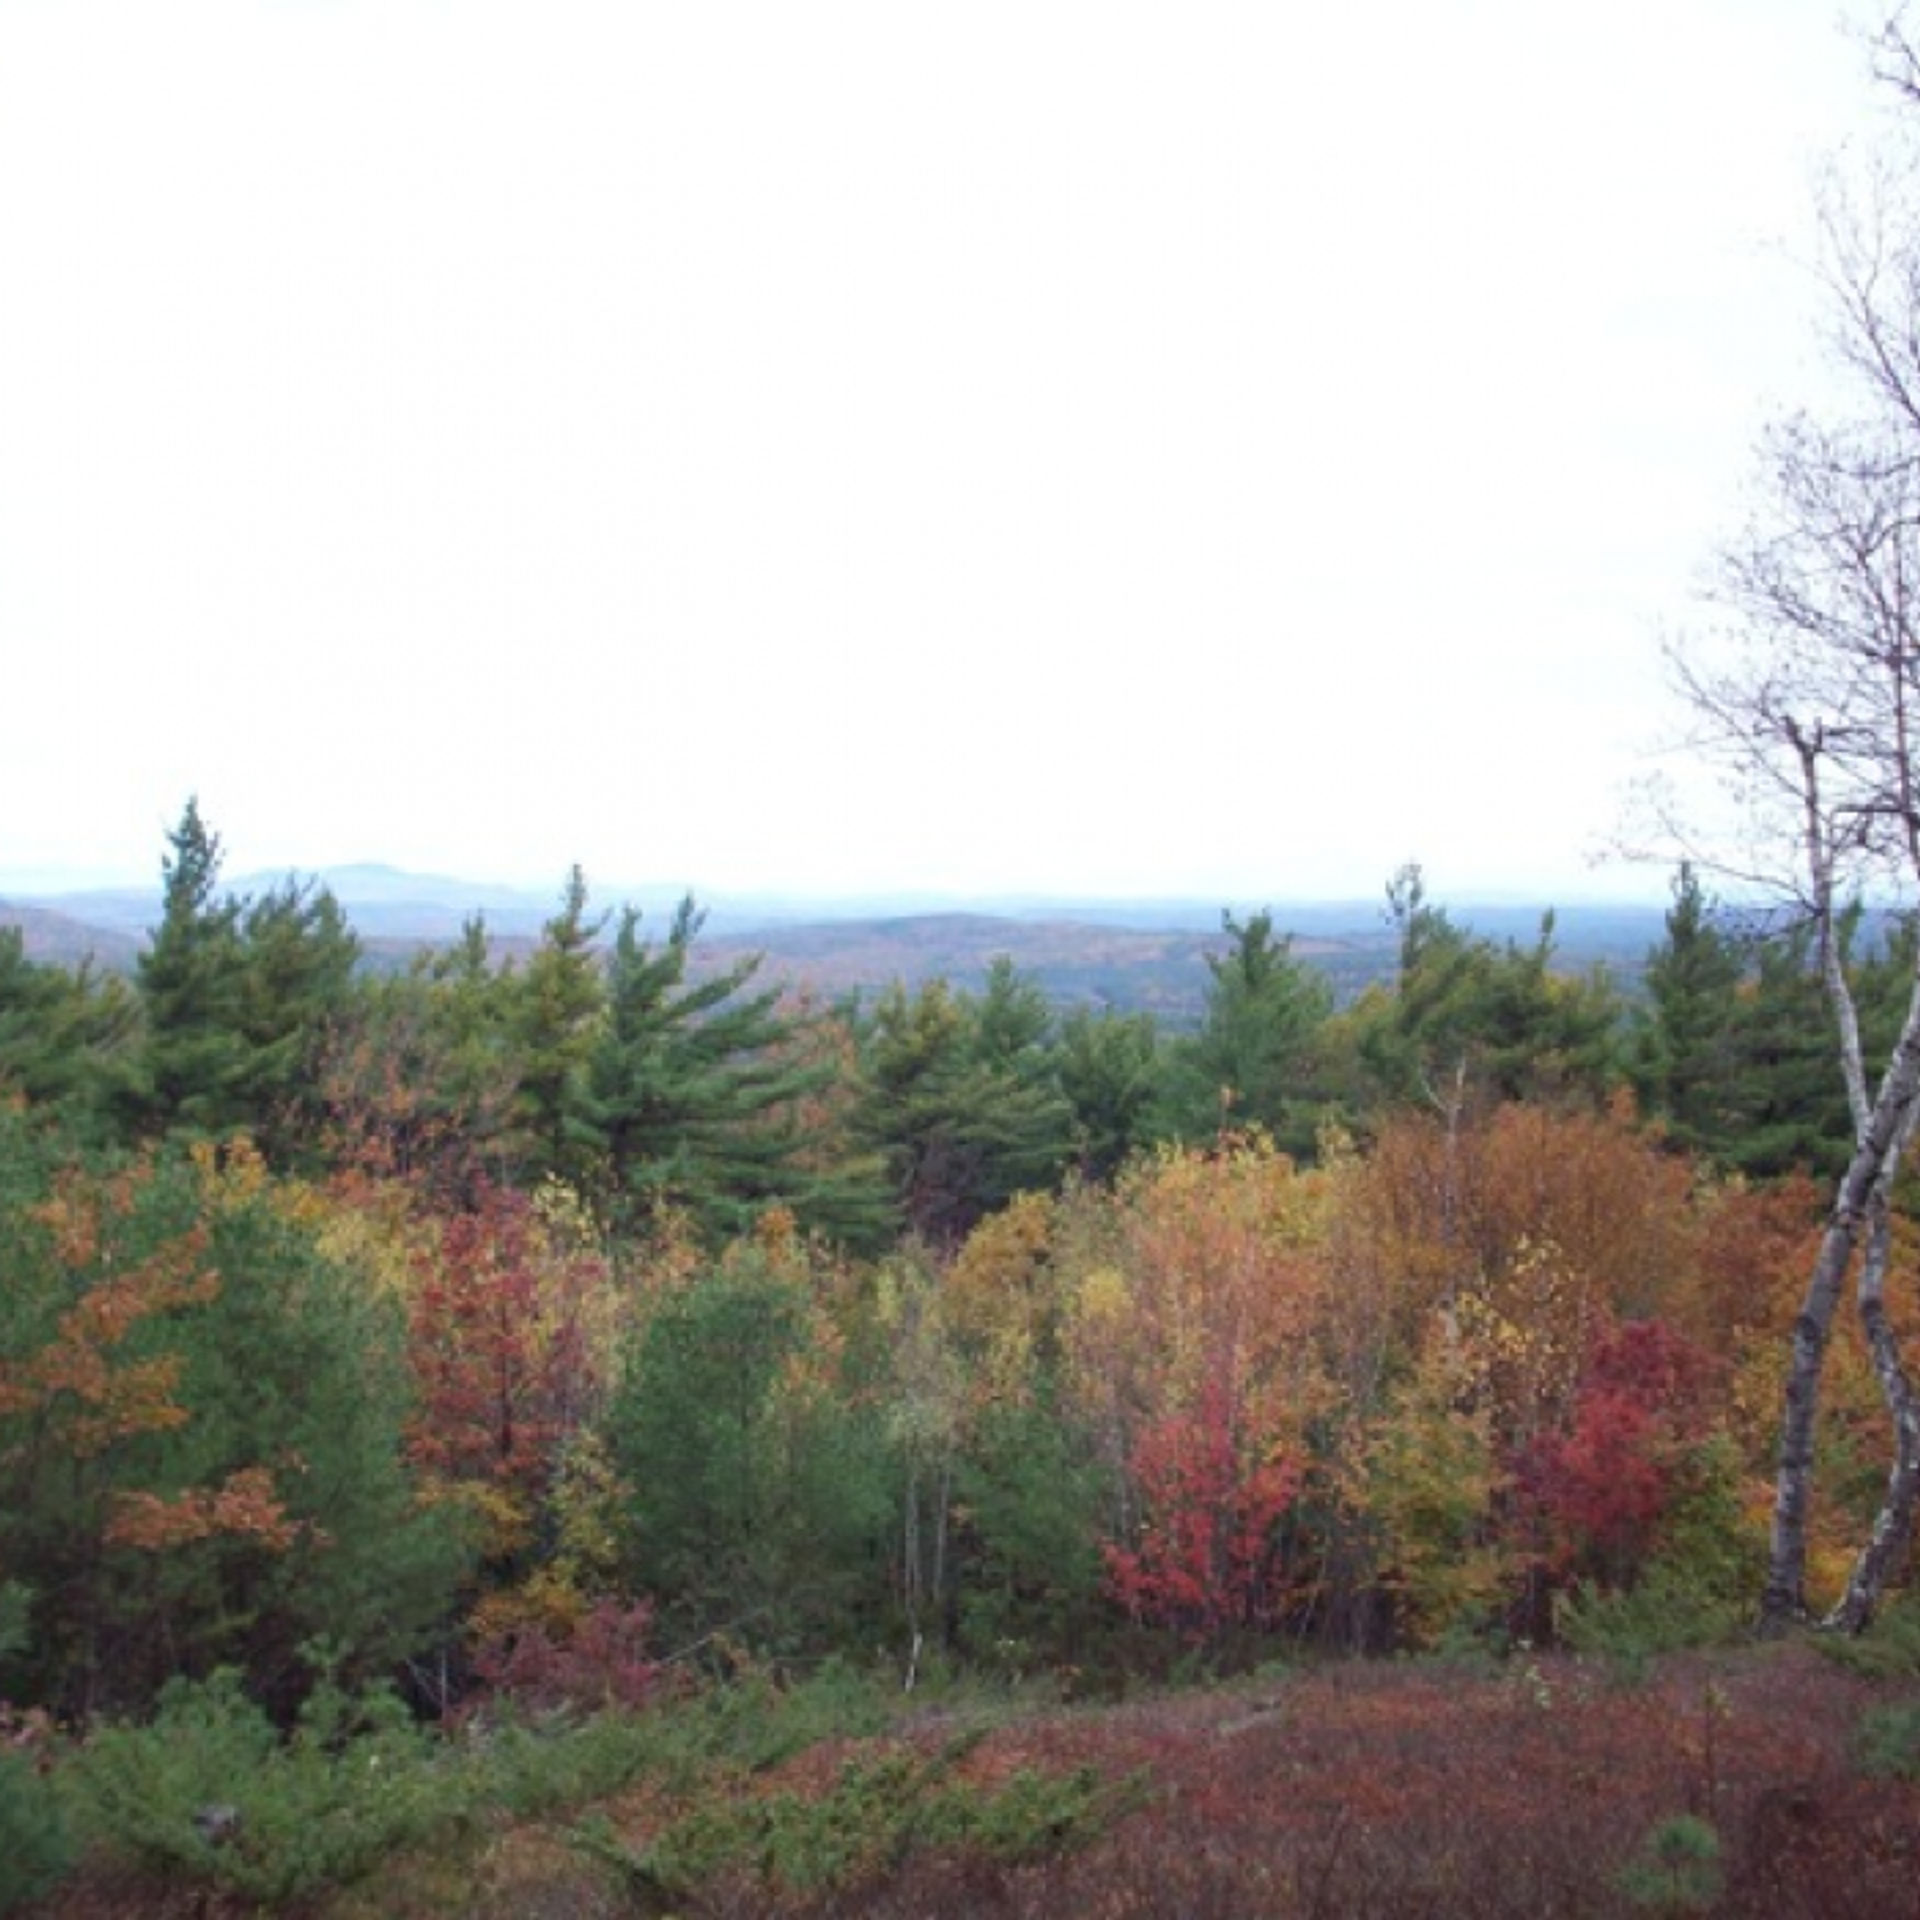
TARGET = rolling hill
(1143,956)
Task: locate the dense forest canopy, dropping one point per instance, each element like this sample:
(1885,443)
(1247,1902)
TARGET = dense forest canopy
(415,1314)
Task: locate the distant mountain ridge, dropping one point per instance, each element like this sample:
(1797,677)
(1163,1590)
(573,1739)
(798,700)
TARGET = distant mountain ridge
(67,940)
(1132,956)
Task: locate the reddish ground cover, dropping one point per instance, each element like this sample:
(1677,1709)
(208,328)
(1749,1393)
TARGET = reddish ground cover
(1374,1789)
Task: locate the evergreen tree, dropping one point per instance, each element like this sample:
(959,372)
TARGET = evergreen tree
(68,1040)
(963,1099)
(759,1493)
(239,998)
(297,988)
(1253,1062)
(201,1426)
(696,1095)
(1786,1100)
(558,1002)
(196,1073)
(1685,1040)
(1470,1022)
(1110,1072)
(472,1019)
(1023,1123)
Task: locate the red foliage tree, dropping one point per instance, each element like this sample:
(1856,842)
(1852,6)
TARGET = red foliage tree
(499,1346)
(1206,1556)
(1597,1491)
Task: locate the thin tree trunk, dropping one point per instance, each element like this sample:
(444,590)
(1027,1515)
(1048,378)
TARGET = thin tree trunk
(1892,1531)
(946,1591)
(910,1582)
(1860,1200)
(1784,1599)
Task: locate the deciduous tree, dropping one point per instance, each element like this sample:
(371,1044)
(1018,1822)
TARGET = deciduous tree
(1804,697)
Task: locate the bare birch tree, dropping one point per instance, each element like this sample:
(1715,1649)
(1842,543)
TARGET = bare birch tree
(1807,698)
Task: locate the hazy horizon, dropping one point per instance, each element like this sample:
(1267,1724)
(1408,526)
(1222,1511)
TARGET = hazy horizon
(29,884)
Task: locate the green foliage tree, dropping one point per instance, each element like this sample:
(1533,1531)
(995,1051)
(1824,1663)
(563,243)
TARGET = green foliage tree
(296,990)
(195,1071)
(1685,1038)
(68,1039)
(1252,1064)
(1031,1493)
(239,998)
(759,1493)
(1470,1021)
(201,1423)
(558,1002)
(1788,1108)
(697,1095)
(962,1096)
(37,1846)
(1111,1072)
(469,1028)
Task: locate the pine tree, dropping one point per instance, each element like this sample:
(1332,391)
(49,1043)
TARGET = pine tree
(1110,1070)
(471,1014)
(1685,1042)
(963,1099)
(1471,1022)
(239,998)
(696,1092)
(297,989)
(1253,1062)
(1787,1105)
(196,1071)
(68,1039)
(558,1003)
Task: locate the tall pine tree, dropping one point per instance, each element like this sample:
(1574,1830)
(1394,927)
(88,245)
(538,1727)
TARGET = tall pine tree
(1685,1050)
(696,1092)
(196,1069)
(558,1002)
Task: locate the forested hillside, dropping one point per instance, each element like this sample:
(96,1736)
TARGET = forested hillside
(498,1325)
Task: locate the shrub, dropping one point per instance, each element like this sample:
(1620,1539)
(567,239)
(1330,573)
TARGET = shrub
(1889,1741)
(879,1811)
(1889,1649)
(209,1790)
(1677,1869)
(36,1848)
(602,1660)
(1665,1613)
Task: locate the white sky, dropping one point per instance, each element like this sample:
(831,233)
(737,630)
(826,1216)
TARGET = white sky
(1213,449)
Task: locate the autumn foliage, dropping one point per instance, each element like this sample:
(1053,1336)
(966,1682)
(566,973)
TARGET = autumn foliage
(502,1345)
(1205,1557)
(487,1319)
(1600,1485)
(1417,1389)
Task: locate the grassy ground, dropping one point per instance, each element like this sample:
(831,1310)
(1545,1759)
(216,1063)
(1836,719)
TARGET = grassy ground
(1724,1783)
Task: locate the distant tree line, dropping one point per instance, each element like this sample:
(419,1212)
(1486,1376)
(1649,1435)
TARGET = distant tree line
(606,1060)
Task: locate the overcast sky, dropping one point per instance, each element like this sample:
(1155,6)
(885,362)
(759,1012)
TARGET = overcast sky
(1218,450)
